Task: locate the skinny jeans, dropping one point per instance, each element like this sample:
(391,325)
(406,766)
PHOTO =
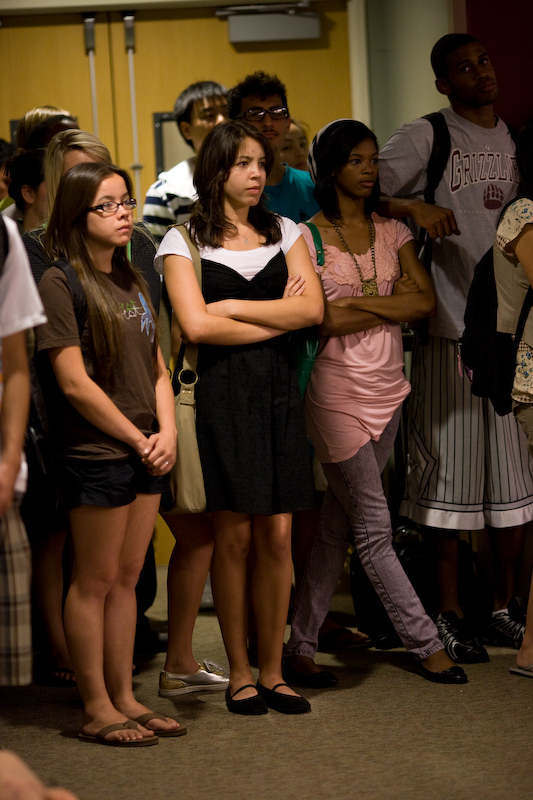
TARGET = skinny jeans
(355,510)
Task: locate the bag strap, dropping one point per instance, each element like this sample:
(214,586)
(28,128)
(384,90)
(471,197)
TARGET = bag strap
(165,321)
(195,255)
(165,310)
(319,244)
(190,356)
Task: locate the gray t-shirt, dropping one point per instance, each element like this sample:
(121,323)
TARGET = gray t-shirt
(479,179)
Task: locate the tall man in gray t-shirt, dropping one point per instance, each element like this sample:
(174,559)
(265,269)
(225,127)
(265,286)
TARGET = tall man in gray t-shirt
(468,469)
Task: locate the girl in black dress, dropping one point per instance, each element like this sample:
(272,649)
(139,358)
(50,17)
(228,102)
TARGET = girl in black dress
(250,427)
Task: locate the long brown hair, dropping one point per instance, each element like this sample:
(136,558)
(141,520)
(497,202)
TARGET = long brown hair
(66,238)
(214,163)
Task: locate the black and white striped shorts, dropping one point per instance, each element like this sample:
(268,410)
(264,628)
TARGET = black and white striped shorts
(467,467)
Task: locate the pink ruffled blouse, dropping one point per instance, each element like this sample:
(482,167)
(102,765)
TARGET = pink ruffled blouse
(357,381)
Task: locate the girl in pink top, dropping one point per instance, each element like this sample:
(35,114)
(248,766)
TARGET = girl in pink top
(372,280)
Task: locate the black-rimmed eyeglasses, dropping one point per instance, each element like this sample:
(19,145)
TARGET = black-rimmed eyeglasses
(110,208)
(258,114)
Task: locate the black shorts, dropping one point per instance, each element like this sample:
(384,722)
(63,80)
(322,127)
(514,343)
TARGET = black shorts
(106,483)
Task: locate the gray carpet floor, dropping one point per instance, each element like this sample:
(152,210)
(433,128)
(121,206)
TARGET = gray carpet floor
(383,734)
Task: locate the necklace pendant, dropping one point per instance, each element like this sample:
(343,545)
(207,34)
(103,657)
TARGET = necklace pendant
(245,240)
(370,288)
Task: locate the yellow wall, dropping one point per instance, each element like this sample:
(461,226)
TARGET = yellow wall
(163,542)
(44,62)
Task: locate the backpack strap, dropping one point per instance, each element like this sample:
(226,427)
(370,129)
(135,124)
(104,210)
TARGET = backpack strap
(78,295)
(440,153)
(319,244)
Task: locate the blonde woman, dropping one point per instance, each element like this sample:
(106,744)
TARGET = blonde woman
(67,149)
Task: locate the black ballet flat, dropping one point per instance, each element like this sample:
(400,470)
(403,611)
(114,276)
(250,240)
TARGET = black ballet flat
(284,703)
(452,675)
(319,680)
(250,706)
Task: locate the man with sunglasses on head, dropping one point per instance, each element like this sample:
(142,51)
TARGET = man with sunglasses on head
(261,100)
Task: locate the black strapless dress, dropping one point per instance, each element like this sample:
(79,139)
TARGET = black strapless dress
(249,418)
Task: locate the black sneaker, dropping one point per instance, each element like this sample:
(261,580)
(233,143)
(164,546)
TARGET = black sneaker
(507,627)
(459,642)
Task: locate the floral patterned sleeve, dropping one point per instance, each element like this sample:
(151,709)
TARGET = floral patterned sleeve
(517,215)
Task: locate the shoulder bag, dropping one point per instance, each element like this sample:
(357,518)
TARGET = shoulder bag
(186,476)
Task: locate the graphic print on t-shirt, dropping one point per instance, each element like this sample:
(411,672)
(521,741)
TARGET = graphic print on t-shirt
(482,167)
(131,309)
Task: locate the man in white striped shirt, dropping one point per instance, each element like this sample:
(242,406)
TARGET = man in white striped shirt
(198,108)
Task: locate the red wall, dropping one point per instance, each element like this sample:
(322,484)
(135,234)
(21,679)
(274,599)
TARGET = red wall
(506,29)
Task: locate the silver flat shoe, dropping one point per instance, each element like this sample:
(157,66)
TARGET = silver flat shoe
(210,677)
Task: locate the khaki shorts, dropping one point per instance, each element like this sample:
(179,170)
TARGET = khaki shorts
(524,414)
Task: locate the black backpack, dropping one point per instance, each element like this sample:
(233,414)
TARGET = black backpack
(489,356)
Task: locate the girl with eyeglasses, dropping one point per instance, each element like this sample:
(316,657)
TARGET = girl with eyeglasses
(373,281)
(257,284)
(47,532)
(115,437)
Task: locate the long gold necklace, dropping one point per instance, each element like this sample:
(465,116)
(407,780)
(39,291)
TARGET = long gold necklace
(369,285)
